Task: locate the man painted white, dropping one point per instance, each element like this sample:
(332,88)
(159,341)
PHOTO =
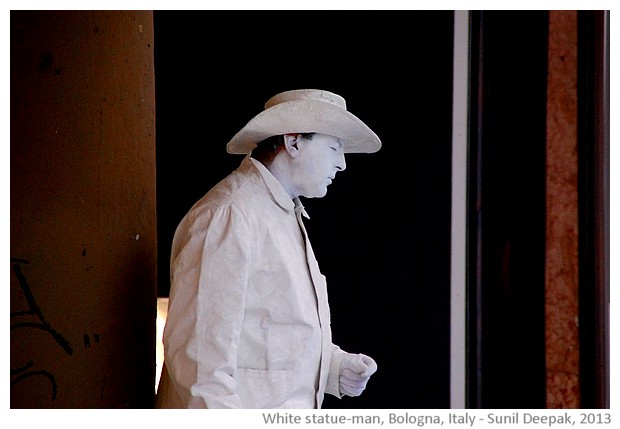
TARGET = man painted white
(248,320)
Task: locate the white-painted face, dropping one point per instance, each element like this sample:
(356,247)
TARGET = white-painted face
(316,163)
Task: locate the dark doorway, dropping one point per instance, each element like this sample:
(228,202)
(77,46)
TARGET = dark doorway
(506,223)
(382,233)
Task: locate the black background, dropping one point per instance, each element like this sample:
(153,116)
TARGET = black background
(382,233)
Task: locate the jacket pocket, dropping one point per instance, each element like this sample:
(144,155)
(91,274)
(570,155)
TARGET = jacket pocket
(260,388)
(287,343)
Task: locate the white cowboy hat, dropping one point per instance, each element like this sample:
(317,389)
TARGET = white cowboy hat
(306,111)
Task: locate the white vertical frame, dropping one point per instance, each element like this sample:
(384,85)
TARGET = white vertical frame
(458,320)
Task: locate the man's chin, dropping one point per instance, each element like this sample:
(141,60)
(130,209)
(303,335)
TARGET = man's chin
(317,194)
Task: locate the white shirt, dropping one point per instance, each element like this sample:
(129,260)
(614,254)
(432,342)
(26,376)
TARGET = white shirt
(248,321)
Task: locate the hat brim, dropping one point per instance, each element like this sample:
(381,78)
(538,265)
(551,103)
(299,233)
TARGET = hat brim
(306,116)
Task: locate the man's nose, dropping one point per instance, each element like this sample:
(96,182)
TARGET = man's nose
(341,165)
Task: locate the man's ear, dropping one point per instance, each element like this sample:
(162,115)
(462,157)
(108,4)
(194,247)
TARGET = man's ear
(291,144)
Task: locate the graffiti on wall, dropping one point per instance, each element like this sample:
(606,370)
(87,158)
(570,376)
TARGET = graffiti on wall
(32,317)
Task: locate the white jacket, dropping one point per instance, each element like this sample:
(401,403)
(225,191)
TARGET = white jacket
(248,320)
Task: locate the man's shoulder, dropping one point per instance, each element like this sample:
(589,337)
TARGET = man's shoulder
(237,190)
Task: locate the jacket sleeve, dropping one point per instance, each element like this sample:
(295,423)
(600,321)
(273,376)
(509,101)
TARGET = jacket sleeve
(333,378)
(209,277)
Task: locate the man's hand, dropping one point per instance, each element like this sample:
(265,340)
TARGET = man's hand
(355,371)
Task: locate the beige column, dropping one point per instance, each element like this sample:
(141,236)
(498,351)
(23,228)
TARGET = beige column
(83,221)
